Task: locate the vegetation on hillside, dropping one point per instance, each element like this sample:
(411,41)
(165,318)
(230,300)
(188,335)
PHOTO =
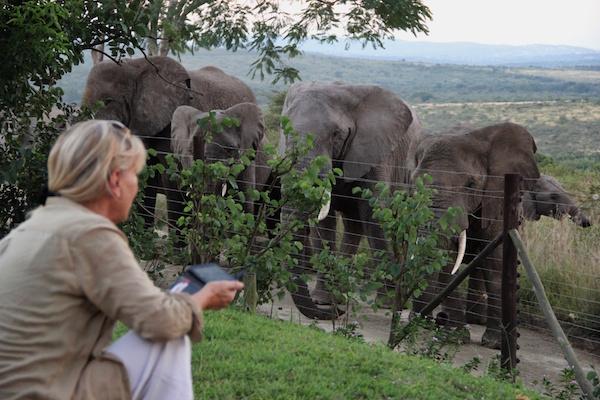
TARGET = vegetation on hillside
(414,82)
(559,107)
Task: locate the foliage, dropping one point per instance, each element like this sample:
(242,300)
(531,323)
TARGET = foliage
(270,31)
(272,115)
(566,389)
(495,371)
(44,39)
(424,338)
(23,173)
(409,224)
(288,361)
(154,248)
(346,278)
(592,376)
(218,227)
(350,330)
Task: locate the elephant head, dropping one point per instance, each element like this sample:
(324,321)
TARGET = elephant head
(468,169)
(360,128)
(187,141)
(549,198)
(141,93)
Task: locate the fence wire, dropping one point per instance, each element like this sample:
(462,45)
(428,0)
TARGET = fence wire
(576,302)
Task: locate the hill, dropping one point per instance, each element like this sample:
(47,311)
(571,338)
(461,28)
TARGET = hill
(559,105)
(416,82)
(464,53)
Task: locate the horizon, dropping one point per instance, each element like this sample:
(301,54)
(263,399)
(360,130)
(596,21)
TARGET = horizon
(510,22)
(530,22)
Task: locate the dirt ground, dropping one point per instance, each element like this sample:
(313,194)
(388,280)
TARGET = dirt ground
(539,354)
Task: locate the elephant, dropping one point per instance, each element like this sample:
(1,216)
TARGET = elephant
(364,130)
(548,198)
(467,171)
(230,143)
(143,93)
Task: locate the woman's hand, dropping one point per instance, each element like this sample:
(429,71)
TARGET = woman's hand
(217,294)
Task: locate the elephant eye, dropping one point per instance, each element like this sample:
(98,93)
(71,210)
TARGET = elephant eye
(107,101)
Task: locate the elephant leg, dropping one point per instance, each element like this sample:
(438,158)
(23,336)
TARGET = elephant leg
(432,290)
(301,296)
(375,236)
(476,298)
(149,201)
(453,307)
(175,206)
(155,184)
(476,294)
(353,233)
(246,183)
(325,235)
(493,284)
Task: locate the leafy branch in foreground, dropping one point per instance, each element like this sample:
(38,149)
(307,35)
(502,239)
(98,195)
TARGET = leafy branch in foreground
(415,235)
(218,227)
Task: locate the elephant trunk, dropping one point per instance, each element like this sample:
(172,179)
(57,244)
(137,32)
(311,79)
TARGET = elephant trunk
(579,218)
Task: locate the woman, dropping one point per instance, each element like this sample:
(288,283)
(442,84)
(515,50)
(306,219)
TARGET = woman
(67,274)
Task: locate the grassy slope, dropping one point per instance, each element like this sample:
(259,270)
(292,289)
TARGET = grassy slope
(252,357)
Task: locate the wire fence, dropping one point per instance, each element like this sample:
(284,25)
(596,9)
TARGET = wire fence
(574,289)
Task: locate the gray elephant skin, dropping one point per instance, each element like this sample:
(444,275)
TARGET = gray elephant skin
(468,172)
(548,198)
(231,142)
(364,130)
(143,94)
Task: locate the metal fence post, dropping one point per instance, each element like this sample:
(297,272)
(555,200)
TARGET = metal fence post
(509,273)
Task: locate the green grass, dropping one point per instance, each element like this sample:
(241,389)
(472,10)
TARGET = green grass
(567,257)
(244,356)
(561,128)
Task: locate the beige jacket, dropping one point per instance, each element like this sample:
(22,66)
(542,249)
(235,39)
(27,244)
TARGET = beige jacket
(66,275)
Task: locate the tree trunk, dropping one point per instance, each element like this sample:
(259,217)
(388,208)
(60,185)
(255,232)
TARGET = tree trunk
(152,47)
(97,55)
(165,45)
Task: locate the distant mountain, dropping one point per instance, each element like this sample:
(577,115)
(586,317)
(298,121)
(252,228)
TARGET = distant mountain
(464,53)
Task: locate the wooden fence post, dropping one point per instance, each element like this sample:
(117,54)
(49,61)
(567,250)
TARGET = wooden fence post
(508,356)
(557,331)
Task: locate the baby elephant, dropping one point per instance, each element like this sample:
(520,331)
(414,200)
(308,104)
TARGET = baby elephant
(231,142)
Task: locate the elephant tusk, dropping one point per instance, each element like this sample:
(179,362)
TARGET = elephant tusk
(462,245)
(325,209)
(224,190)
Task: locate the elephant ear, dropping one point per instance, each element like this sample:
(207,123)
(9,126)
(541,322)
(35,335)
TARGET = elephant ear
(183,131)
(162,85)
(511,151)
(251,129)
(385,126)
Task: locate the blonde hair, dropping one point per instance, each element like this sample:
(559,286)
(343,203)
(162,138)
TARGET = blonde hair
(84,156)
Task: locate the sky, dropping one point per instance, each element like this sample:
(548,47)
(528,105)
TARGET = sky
(516,22)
